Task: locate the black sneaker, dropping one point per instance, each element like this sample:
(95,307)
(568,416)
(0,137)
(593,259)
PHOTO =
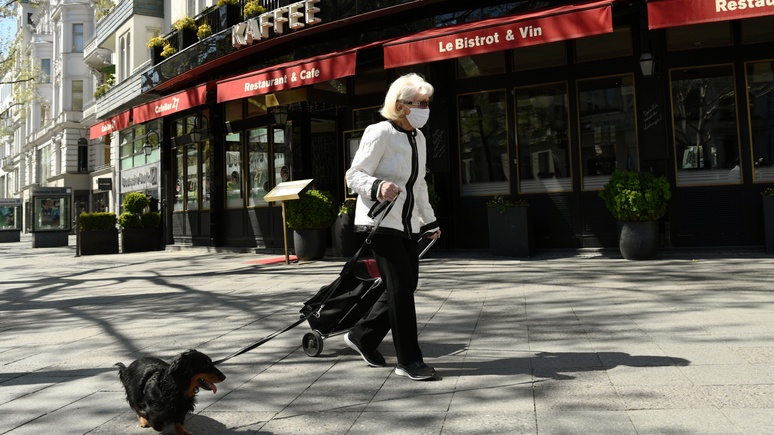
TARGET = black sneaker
(372,358)
(417,371)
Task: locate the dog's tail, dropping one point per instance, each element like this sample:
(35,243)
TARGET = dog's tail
(121,370)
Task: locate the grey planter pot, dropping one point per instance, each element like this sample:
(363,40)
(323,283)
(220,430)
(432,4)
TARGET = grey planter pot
(309,244)
(344,238)
(99,242)
(638,240)
(768,223)
(510,233)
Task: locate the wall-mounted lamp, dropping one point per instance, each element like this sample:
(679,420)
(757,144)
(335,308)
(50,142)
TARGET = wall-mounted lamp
(199,130)
(281,115)
(147,147)
(647,64)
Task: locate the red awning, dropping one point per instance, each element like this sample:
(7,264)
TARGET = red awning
(501,33)
(671,13)
(289,75)
(170,104)
(116,123)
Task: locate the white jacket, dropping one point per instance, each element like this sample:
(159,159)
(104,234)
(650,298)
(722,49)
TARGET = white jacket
(390,153)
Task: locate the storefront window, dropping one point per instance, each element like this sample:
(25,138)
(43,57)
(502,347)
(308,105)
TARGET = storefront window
(760,86)
(281,156)
(258,157)
(179,181)
(484,160)
(699,36)
(539,56)
(207,174)
(604,46)
(757,30)
(132,139)
(542,138)
(192,176)
(608,136)
(706,132)
(481,65)
(233,171)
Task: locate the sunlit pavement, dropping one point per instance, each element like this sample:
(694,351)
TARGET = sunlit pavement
(567,342)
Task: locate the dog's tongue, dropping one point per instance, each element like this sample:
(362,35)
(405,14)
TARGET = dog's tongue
(213,388)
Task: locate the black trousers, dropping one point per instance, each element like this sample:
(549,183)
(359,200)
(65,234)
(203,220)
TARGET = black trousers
(398,262)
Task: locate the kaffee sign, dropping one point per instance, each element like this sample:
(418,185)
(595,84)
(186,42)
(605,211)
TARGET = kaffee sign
(296,15)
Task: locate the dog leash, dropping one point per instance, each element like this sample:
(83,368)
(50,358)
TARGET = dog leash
(384,207)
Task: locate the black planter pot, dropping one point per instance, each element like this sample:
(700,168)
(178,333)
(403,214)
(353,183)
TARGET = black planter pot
(99,242)
(155,55)
(344,238)
(510,233)
(229,15)
(638,240)
(768,223)
(309,244)
(186,38)
(140,239)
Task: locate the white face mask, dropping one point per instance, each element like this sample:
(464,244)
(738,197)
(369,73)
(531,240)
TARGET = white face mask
(418,117)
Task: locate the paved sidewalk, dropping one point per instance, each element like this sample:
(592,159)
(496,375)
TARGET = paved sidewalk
(565,343)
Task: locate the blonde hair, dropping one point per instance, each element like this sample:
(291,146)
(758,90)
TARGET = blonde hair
(406,87)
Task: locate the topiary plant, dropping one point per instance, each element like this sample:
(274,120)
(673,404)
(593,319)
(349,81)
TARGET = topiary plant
(151,219)
(136,202)
(130,220)
(313,210)
(347,207)
(501,203)
(97,221)
(633,196)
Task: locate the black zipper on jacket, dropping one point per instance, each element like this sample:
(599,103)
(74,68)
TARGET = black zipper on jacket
(408,206)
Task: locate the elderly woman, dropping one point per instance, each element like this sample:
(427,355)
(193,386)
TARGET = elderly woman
(390,166)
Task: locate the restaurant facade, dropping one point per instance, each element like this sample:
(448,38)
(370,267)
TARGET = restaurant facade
(534,100)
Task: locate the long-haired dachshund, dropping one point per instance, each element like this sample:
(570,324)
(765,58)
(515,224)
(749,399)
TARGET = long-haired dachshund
(162,393)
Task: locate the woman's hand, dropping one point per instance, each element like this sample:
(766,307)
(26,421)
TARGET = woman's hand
(435,235)
(389,190)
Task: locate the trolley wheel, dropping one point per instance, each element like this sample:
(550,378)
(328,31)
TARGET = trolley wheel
(313,343)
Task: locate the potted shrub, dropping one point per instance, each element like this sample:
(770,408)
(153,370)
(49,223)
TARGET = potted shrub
(768,218)
(253,8)
(186,29)
(204,31)
(344,239)
(139,231)
(637,200)
(308,217)
(510,227)
(156,46)
(98,233)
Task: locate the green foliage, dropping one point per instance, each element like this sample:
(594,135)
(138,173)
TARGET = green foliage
(97,221)
(636,196)
(769,191)
(136,202)
(168,50)
(204,31)
(130,220)
(103,88)
(435,200)
(313,210)
(253,8)
(500,203)
(185,23)
(227,2)
(347,207)
(151,219)
(103,8)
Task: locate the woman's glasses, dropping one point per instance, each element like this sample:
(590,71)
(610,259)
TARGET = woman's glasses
(420,104)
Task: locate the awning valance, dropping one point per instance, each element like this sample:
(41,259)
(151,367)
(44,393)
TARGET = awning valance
(501,33)
(288,75)
(115,123)
(170,104)
(672,13)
